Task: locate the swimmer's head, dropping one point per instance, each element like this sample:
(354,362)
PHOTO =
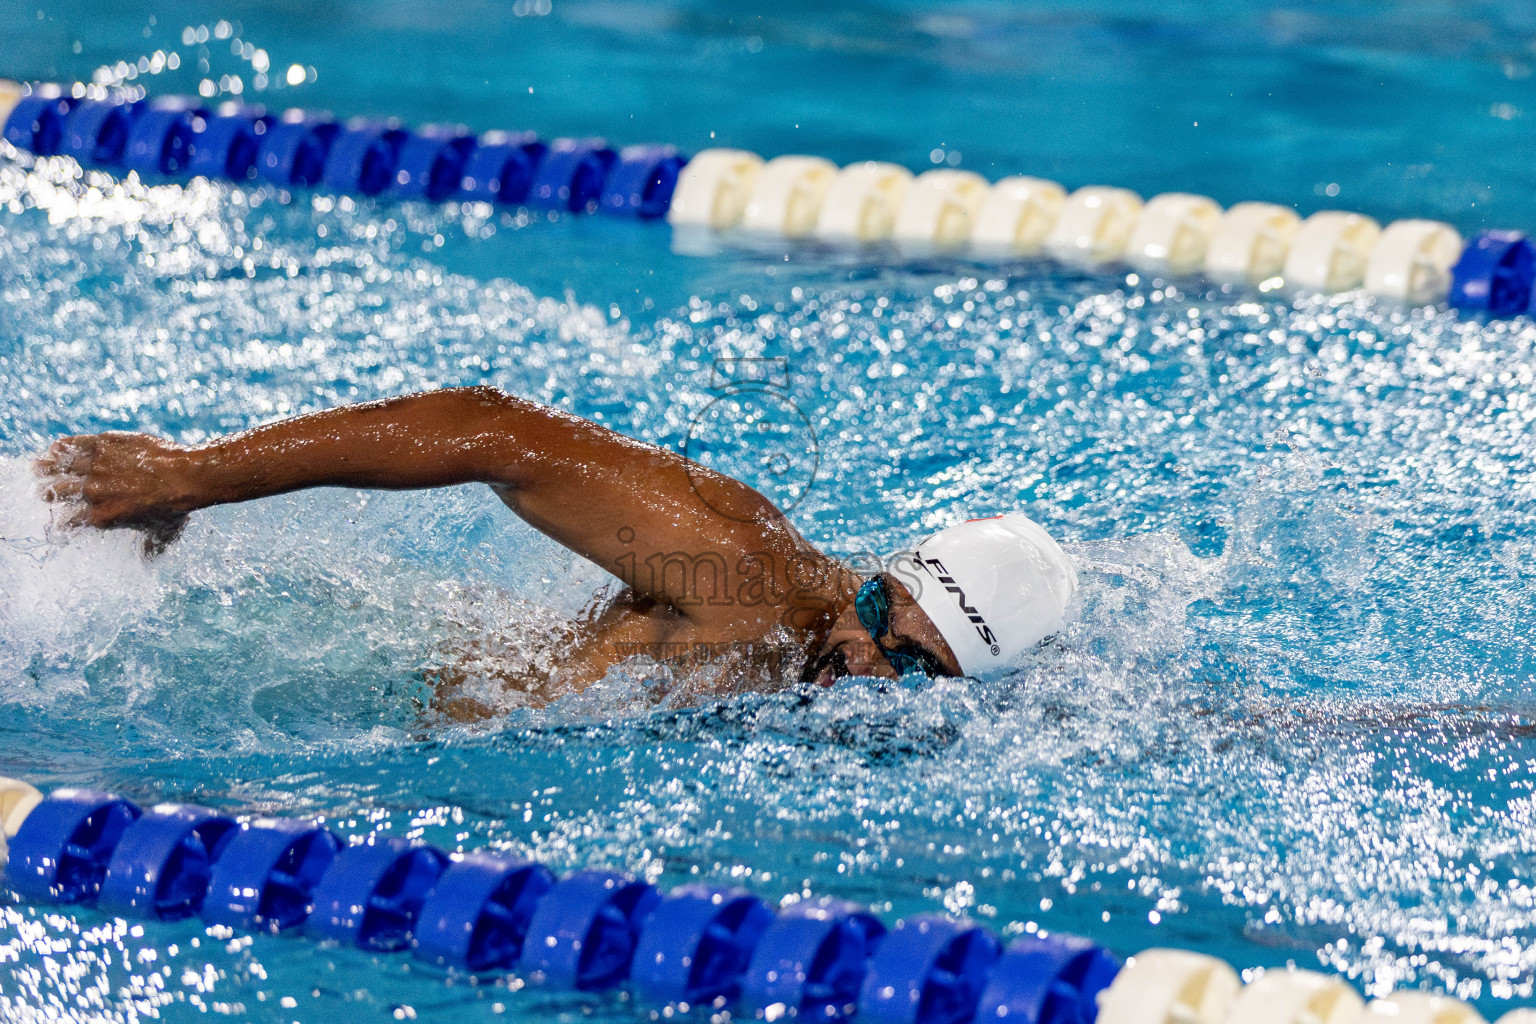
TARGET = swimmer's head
(994,588)
(966,601)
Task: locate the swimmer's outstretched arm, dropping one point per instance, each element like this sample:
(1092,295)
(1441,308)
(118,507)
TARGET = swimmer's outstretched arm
(605,496)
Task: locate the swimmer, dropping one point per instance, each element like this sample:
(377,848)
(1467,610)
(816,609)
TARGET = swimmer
(709,567)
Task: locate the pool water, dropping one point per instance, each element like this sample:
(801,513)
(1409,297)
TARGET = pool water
(1290,720)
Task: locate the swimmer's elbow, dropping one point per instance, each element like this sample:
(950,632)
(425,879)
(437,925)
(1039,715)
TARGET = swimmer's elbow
(483,396)
(489,407)
(487,412)
(513,442)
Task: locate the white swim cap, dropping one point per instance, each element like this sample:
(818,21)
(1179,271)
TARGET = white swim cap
(993,587)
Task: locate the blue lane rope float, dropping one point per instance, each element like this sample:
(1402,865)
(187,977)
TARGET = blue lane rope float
(697,946)
(228,143)
(478,915)
(500,168)
(294,148)
(265,876)
(372,894)
(431,163)
(62,854)
(582,935)
(364,157)
(928,969)
(642,182)
(811,961)
(1048,982)
(736,193)
(36,123)
(95,132)
(163,862)
(571,175)
(161,136)
(1495,274)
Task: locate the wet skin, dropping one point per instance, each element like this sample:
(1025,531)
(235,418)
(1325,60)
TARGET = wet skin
(631,507)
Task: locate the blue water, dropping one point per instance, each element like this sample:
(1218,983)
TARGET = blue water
(1289,722)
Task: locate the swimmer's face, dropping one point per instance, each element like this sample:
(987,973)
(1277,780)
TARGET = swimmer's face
(849,651)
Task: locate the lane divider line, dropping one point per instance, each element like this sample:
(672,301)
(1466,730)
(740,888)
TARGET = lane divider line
(793,197)
(697,946)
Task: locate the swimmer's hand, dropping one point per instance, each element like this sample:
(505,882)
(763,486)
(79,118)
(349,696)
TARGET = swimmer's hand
(119,480)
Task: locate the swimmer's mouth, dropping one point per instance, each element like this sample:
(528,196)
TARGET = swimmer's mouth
(826,669)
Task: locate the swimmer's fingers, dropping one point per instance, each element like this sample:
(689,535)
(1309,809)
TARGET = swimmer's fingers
(63,485)
(63,489)
(82,500)
(160,536)
(68,456)
(73,511)
(70,507)
(65,468)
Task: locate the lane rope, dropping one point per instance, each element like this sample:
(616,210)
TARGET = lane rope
(728,194)
(696,946)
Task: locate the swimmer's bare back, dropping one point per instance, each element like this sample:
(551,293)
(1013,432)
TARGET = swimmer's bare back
(707,561)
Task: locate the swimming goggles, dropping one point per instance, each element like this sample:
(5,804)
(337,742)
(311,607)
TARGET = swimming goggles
(872,603)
